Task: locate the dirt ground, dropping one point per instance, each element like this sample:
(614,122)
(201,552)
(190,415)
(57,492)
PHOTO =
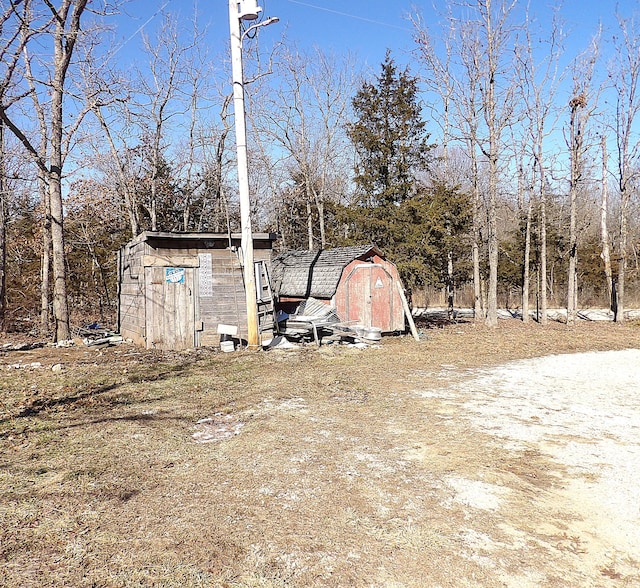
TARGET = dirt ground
(474,458)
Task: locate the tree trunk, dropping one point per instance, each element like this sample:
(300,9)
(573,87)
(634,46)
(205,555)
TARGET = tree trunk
(64,42)
(3,231)
(64,39)
(492,237)
(60,304)
(625,77)
(309,224)
(153,208)
(526,265)
(526,254)
(321,226)
(478,307)
(541,309)
(492,294)
(542,282)
(493,127)
(622,263)
(572,280)
(576,147)
(450,285)
(604,232)
(45,266)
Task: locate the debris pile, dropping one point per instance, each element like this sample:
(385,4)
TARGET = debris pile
(316,321)
(95,336)
(22,346)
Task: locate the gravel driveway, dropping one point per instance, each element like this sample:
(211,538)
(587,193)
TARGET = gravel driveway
(582,411)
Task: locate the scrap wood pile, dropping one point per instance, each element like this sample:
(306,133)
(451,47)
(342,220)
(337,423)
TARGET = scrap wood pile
(314,320)
(22,346)
(91,336)
(94,335)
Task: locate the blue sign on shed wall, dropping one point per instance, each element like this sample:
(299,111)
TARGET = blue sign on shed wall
(174,275)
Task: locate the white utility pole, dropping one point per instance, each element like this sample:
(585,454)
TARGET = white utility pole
(247,10)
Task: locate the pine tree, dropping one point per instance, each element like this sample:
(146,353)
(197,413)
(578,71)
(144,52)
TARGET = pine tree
(417,225)
(389,136)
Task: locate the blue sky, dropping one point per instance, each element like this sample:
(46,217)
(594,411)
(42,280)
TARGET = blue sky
(366,28)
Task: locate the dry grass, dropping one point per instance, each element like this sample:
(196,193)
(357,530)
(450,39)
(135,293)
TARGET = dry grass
(330,469)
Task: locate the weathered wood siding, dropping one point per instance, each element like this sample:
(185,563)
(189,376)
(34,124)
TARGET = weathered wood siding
(160,313)
(170,308)
(225,303)
(132,294)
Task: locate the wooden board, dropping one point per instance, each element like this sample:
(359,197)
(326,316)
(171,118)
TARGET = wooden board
(170,261)
(367,296)
(170,309)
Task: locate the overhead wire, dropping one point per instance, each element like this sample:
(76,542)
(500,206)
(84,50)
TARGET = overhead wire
(139,29)
(369,20)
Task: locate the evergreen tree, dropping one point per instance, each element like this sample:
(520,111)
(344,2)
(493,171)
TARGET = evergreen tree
(389,136)
(417,225)
(434,225)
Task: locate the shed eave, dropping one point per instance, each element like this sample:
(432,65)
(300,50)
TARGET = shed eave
(150,235)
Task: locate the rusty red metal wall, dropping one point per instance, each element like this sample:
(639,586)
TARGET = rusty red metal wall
(368,295)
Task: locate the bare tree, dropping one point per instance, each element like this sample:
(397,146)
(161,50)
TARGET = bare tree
(525,202)
(192,180)
(625,75)
(197,172)
(604,231)
(539,80)
(484,35)
(470,118)
(216,160)
(582,105)
(139,110)
(134,110)
(454,78)
(108,96)
(160,92)
(576,139)
(15,32)
(124,184)
(457,106)
(61,26)
(43,190)
(305,118)
(497,107)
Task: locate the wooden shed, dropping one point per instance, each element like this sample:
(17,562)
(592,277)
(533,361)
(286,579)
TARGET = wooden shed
(176,288)
(358,282)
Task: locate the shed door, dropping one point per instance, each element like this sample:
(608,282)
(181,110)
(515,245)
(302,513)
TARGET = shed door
(170,308)
(370,296)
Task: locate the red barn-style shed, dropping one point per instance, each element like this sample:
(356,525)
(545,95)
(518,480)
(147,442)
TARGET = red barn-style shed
(358,282)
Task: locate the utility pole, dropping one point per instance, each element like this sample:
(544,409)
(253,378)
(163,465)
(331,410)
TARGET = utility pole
(244,10)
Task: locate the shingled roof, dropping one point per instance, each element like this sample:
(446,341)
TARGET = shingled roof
(305,274)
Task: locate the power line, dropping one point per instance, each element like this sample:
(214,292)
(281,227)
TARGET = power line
(139,29)
(369,20)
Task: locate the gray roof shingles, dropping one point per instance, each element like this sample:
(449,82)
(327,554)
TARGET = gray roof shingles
(316,274)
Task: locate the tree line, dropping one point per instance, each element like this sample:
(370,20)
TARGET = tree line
(493,161)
